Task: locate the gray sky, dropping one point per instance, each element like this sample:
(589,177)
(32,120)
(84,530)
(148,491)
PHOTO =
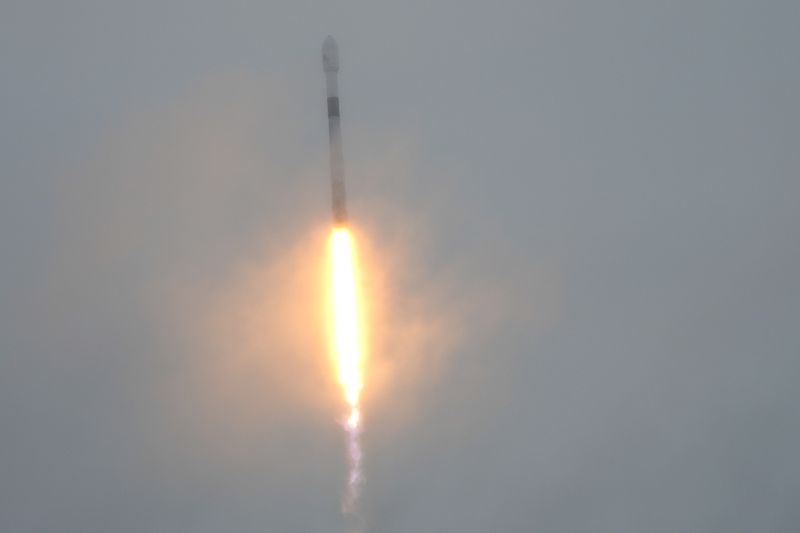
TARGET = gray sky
(579,220)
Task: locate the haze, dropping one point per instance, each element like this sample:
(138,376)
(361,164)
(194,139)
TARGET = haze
(582,222)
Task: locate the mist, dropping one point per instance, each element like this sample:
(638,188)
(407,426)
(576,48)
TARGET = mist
(577,227)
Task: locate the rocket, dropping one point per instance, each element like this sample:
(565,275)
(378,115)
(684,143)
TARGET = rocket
(330,64)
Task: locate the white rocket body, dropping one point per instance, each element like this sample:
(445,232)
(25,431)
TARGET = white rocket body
(330,64)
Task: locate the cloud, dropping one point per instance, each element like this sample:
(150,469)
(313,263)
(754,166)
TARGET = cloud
(191,270)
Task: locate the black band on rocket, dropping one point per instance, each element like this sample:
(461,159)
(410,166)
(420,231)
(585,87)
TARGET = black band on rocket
(333,106)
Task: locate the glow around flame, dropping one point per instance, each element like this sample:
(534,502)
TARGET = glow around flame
(347,348)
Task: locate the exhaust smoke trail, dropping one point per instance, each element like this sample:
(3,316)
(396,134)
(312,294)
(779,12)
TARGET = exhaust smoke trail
(347,351)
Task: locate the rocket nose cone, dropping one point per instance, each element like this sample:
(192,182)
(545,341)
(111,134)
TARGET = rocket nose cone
(330,55)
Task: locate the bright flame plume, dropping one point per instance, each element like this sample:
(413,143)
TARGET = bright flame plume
(347,350)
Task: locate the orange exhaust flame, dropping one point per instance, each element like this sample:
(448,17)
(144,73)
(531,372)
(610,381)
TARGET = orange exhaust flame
(347,341)
(347,348)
